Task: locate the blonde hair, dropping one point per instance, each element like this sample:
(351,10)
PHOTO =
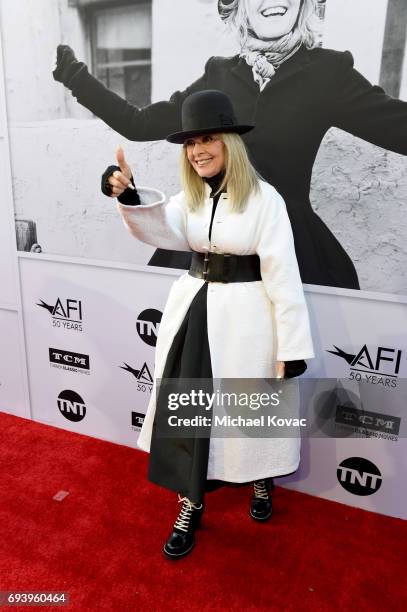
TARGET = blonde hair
(308,23)
(241,178)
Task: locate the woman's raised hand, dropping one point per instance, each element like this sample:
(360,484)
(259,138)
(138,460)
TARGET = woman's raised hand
(120,179)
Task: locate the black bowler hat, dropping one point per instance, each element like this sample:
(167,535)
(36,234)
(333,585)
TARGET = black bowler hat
(205,112)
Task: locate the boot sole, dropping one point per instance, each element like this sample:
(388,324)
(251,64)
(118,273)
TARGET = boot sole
(173,557)
(257,518)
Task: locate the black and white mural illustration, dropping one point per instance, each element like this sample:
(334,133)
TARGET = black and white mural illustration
(323,81)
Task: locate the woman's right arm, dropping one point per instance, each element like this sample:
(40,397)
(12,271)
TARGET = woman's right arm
(156,221)
(145,211)
(153,122)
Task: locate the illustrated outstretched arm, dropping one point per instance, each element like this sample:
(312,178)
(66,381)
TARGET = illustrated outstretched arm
(366,111)
(153,122)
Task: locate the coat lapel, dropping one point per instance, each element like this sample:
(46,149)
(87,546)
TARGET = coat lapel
(288,69)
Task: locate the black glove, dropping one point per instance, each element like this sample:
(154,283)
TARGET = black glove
(129,197)
(67,67)
(294,368)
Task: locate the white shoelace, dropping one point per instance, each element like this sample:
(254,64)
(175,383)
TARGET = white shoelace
(185,514)
(260,489)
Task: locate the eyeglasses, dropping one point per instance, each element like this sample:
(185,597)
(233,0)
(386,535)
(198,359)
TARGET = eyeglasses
(206,139)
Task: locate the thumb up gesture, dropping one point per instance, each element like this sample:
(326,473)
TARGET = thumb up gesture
(120,179)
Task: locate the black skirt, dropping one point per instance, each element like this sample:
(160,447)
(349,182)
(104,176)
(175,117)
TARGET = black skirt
(181,464)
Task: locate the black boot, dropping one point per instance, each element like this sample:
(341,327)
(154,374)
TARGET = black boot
(261,507)
(182,539)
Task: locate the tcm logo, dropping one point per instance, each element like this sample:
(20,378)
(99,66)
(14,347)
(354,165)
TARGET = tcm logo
(67,360)
(355,417)
(143,376)
(137,420)
(66,314)
(359,476)
(147,324)
(380,366)
(71,406)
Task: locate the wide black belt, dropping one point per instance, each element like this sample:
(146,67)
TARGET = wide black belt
(223,268)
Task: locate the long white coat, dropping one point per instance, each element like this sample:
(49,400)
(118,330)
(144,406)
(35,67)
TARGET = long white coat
(250,324)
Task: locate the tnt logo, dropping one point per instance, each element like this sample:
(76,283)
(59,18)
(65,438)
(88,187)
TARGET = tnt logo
(147,324)
(71,406)
(359,476)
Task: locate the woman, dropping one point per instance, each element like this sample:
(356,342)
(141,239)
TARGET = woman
(293,92)
(239,311)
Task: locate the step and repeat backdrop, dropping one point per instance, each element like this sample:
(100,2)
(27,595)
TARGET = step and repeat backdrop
(81,300)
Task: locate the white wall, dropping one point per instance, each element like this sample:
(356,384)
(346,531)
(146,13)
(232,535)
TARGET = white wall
(357,26)
(31,32)
(8,295)
(13,373)
(61,191)
(180,50)
(13,382)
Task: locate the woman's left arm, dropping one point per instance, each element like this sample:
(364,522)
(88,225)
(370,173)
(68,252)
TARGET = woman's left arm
(281,277)
(366,111)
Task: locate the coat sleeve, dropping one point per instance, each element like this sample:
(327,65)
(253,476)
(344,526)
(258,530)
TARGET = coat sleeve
(281,277)
(153,122)
(366,111)
(156,221)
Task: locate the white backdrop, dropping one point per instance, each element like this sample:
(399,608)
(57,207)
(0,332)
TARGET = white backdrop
(12,371)
(106,302)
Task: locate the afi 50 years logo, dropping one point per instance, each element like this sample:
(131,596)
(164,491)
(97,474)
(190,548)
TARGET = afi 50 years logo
(66,313)
(379,365)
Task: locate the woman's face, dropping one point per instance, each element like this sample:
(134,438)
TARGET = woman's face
(206,154)
(272,18)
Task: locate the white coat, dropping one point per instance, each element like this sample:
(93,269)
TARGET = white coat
(250,324)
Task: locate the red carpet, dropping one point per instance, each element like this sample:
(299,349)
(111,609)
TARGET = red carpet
(102,543)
